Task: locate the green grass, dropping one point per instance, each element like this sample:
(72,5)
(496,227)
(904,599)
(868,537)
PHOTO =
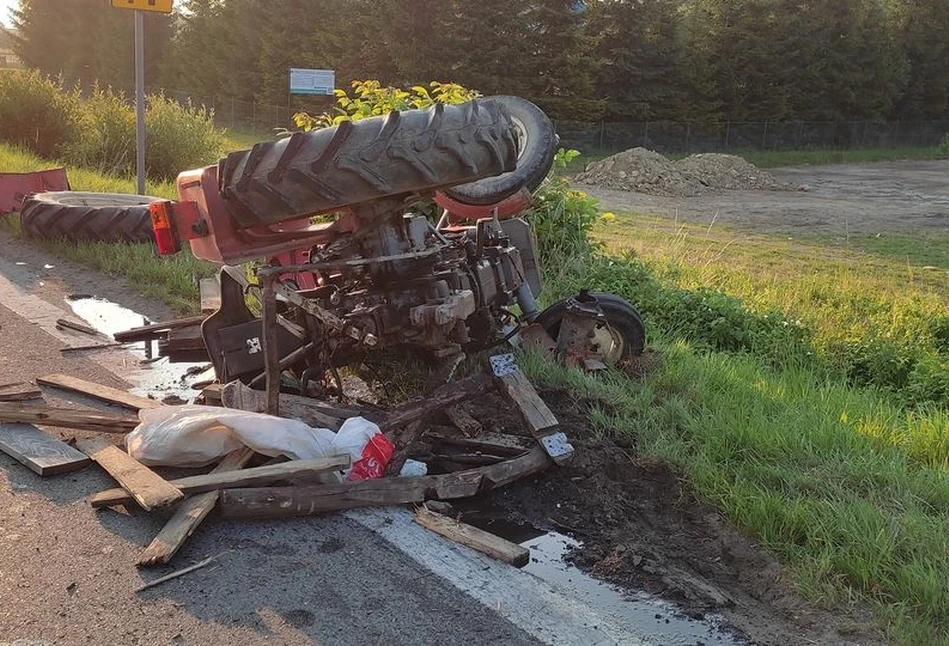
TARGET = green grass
(874,314)
(776,158)
(850,492)
(172,280)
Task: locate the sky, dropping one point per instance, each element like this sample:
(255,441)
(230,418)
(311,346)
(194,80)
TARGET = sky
(5,10)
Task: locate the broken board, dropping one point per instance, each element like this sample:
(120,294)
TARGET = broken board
(148,489)
(536,415)
(260,476)
(189,515)
(98,391)
(477,539)
(40,452)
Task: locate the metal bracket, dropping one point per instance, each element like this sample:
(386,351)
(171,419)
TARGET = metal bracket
(557,445)
(503,364)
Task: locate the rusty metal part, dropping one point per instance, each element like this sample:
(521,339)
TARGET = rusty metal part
(578,330)
(271,351)
(323,315)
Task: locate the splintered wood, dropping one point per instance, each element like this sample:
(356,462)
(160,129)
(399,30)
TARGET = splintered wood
(189,515)
(477,539)
(283,502)
(148,489)
(297,469)
(67,418)
(98,391)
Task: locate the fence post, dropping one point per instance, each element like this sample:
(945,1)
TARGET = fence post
(602,132)
(764,137)
(688,136)
(728,132)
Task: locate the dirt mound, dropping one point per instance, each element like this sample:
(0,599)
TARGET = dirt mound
(727,172)
(641,528)
(644,171)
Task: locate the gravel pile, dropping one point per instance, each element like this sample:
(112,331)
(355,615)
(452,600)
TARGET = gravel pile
(727,172)
(644,171)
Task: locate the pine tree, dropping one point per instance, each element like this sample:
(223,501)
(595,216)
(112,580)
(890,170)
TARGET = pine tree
(88,41)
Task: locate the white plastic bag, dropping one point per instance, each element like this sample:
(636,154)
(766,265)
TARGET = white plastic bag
(191,436)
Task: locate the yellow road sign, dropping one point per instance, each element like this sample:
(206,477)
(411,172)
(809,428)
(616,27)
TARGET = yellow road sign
(161,6)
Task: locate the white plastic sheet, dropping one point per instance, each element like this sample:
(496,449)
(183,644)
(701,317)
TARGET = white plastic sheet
(191,436)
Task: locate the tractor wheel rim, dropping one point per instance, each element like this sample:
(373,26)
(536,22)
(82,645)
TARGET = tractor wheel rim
(608,344)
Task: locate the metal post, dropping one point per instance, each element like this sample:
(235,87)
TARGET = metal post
(271,352)
(140,99)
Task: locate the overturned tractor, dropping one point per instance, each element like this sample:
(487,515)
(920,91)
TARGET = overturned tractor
(348,263)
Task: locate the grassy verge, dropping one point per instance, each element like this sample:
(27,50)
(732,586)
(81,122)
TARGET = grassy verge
(171,280)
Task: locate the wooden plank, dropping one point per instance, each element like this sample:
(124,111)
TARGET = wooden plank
(438,399)
(189,515)
(463,420)
(40,452)
(148,332)
(98,391)
(25,394)
(67,418)
(534,412)
(477,539)
(238,396)
(498,443)
(283,502)
(231,478)
(78,327)
(149,490)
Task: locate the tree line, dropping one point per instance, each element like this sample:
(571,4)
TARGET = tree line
(704,60)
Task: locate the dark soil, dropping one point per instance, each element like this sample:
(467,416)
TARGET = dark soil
(642,528)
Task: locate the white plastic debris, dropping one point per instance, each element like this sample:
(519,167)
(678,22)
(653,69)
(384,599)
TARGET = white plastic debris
(413,469)
(192,435)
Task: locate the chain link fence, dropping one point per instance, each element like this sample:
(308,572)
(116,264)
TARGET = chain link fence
(250,117)
(606,138)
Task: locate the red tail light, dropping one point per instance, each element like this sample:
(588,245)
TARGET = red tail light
(166,234)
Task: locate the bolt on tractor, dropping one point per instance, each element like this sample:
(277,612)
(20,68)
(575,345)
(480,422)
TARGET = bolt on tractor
(348,262)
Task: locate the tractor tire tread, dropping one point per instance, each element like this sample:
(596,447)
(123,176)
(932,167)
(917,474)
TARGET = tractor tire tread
(417,151)
(45,216)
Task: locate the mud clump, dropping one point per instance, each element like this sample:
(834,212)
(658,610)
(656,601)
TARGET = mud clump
(644,171)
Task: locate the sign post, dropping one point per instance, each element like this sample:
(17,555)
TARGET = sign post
(140,6)
(140,100)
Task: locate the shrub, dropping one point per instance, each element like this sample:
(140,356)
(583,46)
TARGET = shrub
(98,131)
(370,99)
(37,113)
(180,137)
(562,218)
(107,141)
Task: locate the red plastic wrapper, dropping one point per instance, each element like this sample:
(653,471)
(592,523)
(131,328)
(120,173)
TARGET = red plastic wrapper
(375,458)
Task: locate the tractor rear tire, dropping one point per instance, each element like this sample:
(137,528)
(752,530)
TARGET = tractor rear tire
(88,217)
(417,151)
(537,147)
